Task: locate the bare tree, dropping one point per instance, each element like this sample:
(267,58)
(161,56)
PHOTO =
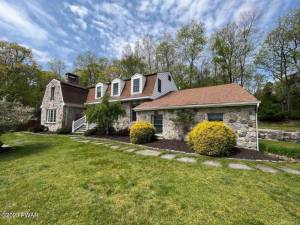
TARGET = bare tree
(57,66)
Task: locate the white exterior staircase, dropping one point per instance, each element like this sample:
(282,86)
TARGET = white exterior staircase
(81,125)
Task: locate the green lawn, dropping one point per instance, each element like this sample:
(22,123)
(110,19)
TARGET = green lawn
(293,125)
(67,182)
(289,149)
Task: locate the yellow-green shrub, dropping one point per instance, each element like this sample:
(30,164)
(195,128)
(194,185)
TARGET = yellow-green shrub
(141,132)
(212,138)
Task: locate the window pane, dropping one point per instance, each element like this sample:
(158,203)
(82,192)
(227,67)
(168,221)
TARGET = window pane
(159,85)
(99,92)
(52,93)
(54,115)
(215,116)
(115,89)
(157,121)
(136,85)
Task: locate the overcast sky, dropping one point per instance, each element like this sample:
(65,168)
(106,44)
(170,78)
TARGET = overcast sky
(62,29)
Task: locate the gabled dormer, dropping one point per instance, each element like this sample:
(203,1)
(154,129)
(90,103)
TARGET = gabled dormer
(117,86)
(100,90)
(137,84)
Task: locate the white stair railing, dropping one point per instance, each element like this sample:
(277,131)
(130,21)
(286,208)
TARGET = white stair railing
(76,124)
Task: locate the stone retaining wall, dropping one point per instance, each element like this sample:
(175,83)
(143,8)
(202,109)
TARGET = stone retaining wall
(279,135)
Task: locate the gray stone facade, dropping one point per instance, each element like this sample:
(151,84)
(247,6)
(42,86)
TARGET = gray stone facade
(279,135)
(125,120)
(242,119)
(64,114)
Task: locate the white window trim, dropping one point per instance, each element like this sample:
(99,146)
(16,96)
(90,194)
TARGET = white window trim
(112,88)
(101,87)
(48,112)
(140,84)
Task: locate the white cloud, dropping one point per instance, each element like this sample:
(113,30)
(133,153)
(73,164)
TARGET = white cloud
(80,10)
(19,22)
(82,23)
(41,56)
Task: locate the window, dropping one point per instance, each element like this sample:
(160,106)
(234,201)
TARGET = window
(169,77)
(215,116)
(52,93)
(136,85)
(133,114)
(159,85)
(157,121)
(98,92)
(115,88)
(51,116)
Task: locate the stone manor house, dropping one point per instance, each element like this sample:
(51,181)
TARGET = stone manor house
(155,98)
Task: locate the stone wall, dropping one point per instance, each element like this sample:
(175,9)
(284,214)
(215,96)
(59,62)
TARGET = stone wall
(57,104)
(241,119)
(124,121)
(279,135)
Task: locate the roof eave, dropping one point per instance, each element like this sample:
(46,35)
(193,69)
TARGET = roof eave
(199,106)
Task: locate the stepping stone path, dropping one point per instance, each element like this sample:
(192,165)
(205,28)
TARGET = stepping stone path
(212,163)
(186,159)
(266,169)
(168,156)
(290,171)
(131,150)
(5,146)
(148,153)
(239,166)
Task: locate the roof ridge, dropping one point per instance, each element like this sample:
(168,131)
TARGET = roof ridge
(74,85)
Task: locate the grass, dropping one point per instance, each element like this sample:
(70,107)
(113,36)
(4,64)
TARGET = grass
(289,149)
(66,182)
(293,125)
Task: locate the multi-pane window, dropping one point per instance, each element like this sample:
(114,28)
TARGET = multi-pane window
(136,85)
(215,116)
(169,77)
(51,116)
(115,88)
(98,92)
(52,93)
(159,85)
(157,121)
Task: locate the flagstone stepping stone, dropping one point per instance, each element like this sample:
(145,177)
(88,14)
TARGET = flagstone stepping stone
(212,163)
(239,166)
(131,150)
(148,153)
(266,169)
(83,141)
(115,147)
(290,170)
(5,146)
(186,159)
(168,156)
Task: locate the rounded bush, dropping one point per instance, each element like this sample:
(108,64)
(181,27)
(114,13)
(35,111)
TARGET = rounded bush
(141,132)
(212,138)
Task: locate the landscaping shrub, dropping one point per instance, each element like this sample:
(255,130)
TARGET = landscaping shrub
(141,132)
(63,131)
(212,138)
(90,132)
(38,128)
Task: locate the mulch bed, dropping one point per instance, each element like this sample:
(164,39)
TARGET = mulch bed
(238,153)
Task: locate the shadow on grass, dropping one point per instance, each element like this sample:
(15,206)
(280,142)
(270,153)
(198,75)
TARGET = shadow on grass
(16,152)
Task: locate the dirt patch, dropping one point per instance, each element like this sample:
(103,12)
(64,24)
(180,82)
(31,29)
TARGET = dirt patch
(238,153)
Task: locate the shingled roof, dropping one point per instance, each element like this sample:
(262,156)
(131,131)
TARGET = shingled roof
(147,91)
(228,94)
(73,94)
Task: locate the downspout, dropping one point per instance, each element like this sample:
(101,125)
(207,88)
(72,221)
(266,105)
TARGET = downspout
(257,144)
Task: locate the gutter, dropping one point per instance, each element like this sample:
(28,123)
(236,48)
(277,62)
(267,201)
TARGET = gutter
(198,106)
(121,100)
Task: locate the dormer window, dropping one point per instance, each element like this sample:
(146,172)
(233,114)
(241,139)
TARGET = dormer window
(116,89)
(98,91)
(136,85)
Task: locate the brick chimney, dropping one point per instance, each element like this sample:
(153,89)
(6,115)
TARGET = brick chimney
(72,78)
